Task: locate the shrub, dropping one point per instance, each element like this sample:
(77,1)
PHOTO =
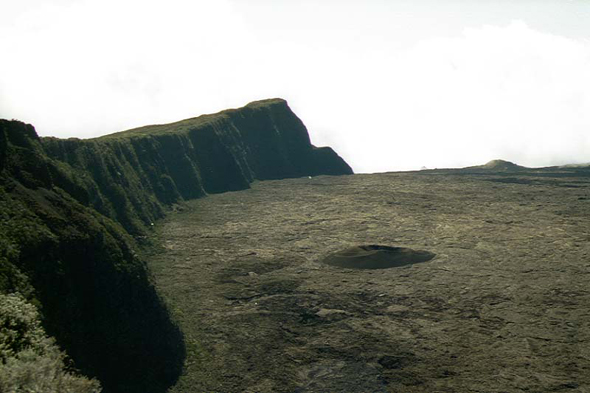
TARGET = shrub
(29,360)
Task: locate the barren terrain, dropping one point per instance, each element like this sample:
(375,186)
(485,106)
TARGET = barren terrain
(504,306)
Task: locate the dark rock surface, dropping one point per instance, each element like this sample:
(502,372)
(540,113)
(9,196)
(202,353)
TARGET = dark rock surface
(67,208)
(503,307)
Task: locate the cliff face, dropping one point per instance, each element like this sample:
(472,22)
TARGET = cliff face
(67,208)
(135,173)
(79,267)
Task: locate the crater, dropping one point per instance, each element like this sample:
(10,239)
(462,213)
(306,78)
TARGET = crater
(376,257)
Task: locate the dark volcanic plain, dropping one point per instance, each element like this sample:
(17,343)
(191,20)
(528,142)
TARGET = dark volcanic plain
(504,306)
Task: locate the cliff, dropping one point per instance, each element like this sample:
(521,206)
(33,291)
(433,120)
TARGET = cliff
(132,175)
(79,267)
(68,208)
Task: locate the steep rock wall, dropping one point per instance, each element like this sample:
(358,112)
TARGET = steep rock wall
(80,269)
(67,208)
(135,173)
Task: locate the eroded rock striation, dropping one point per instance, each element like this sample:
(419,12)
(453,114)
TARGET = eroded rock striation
(68,208)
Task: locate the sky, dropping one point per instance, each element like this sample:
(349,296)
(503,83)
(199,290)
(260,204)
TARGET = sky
(389,84)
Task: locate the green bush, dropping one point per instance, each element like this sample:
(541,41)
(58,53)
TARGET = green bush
(29,360)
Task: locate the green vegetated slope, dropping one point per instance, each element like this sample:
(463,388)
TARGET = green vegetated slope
(69,211)
(79,266)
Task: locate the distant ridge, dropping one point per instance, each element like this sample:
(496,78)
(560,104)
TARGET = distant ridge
(584,165)
(499,165)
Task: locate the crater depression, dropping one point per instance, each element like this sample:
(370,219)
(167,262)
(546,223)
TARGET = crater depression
(376,257)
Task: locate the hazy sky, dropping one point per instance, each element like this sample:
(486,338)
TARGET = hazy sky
(390,84)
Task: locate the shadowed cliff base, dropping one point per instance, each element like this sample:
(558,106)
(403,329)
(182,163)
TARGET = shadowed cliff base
(68,208)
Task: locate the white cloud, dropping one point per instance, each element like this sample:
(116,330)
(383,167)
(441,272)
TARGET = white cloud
(496,92)
(102,66)
(384,99)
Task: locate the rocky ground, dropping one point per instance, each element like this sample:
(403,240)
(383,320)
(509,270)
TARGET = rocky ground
(504,306)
